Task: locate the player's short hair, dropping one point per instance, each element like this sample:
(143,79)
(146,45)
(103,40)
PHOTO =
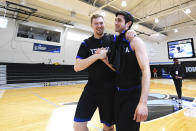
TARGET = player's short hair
(95,16)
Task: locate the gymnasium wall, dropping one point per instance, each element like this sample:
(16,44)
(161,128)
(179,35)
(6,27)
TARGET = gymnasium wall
(183,34)
(72,43)
(15,49)
(158,51)
(159,55)
(20,50)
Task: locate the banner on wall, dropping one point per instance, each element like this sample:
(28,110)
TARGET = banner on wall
(190,68)
(163,70)
(46,48)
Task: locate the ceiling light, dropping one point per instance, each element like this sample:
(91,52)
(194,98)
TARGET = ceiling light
(156,20)
(187,11)
(124,3)
(69,25)
(157,34)
(147,16)
(3,22)
(22,2)
(57,30)
(103,13)
(175,30)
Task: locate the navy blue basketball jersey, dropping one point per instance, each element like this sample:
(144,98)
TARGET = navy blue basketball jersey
(98,72)
(130,72)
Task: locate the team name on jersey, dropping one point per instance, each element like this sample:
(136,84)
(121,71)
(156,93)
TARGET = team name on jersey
(95,49)
(127,50)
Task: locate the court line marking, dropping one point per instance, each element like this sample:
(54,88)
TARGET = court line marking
(1,93)
(44,99)
(162,110)
(167,96)
(194,100)
(162,105)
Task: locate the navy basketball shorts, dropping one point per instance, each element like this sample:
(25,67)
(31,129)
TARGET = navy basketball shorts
(90,100)
(125,103)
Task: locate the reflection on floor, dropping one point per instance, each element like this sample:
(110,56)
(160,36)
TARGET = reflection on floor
(53,107)
(62,119)
(159,105)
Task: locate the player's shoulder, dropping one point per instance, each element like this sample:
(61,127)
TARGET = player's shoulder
(89,38)
(137,39)
(87,41)
(137,42)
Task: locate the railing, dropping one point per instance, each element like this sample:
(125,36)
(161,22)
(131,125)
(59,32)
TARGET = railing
(31,73)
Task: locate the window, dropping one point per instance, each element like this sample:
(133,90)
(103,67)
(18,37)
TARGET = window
(30,32)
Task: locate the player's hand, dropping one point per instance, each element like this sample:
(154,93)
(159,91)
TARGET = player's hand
(98,51)
(141,112)
(102,53)
(130,34)
(105,59)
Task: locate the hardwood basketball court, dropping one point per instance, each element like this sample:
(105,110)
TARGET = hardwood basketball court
(52,108)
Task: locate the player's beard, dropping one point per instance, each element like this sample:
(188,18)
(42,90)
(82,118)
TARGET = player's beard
(99,32)
(119,28)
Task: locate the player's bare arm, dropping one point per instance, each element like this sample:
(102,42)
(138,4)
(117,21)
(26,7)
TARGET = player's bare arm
(82,64)
(138,46)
